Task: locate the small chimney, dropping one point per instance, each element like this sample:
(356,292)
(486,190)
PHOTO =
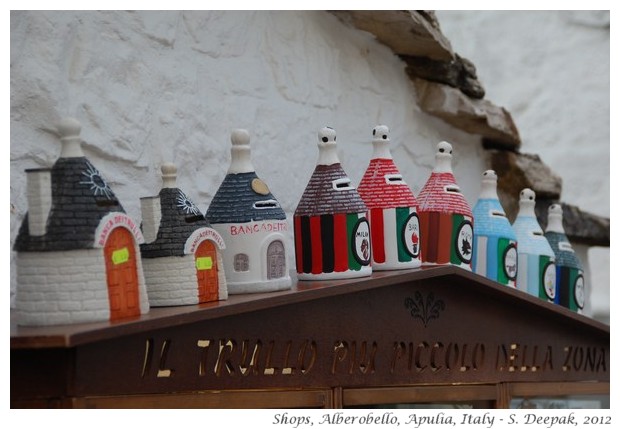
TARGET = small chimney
(328,152)
(169,175)
(488,189)
(554,219)
(39,194)
(151,206)
(443,158)
(69,130)
(240,154)
(381,142)
(527,202)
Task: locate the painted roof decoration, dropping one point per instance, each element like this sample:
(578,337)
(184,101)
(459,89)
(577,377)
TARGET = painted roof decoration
(80,199)
(179,219)
(329,190)
(441,192)
(564,253)
(527,229)
(489,214)
(382,185)
(243,196)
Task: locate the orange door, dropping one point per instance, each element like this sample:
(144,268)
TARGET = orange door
(122,274)
(206,272)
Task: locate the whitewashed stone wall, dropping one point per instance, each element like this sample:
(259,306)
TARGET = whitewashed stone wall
(62,287)
(172,280)
(152,87)
(551,70)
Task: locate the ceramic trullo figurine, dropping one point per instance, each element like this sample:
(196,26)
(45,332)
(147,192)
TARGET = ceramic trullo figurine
(495,243)
(252,224)
(182,254)
(394,223)
(570,283)
(78,258)
(446,220)
(536,274)
(332,233)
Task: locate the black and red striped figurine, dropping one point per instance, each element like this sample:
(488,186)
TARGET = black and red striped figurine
(332,233)
(394,223)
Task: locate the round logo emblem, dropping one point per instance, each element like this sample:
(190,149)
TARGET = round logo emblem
(510,261)
(548,279)
(260,187)
(464,241)
(580,292)
(360,242)
(410,235)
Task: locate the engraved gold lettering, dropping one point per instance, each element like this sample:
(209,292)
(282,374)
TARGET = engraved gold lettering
(226,349)
(163,371)
(252,367)
(434,367)
(340,353)
(478,356)
(286,368)
(568,353)
(501,359)
(452,355)
(421,347)
(270,369)
(148,357)
(202,365)
(397,354)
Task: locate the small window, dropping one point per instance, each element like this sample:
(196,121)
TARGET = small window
(394,179)
(343,184)
(496,213)
(242,262)
(453,189)
(266,204)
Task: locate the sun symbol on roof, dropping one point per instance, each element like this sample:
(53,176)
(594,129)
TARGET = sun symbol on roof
(186,204)
(97,184)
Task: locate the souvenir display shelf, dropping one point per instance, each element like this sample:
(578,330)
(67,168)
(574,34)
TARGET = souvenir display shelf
(430,335)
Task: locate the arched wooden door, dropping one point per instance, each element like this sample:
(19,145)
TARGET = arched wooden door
(122,274)
(206,272)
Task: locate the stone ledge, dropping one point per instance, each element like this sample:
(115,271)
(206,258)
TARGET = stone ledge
(405,32)
(517,171)
(480,117)
(458,73)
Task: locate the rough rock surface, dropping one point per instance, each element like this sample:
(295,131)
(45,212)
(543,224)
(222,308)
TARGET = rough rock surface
(517,171)
(458,73)
(473,116)
(406,32)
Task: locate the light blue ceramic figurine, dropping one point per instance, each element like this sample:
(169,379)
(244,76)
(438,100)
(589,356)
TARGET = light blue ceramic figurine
(536,274)
(495,243)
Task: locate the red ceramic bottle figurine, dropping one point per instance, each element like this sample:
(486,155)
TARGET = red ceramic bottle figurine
(394,223)
(446,219)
